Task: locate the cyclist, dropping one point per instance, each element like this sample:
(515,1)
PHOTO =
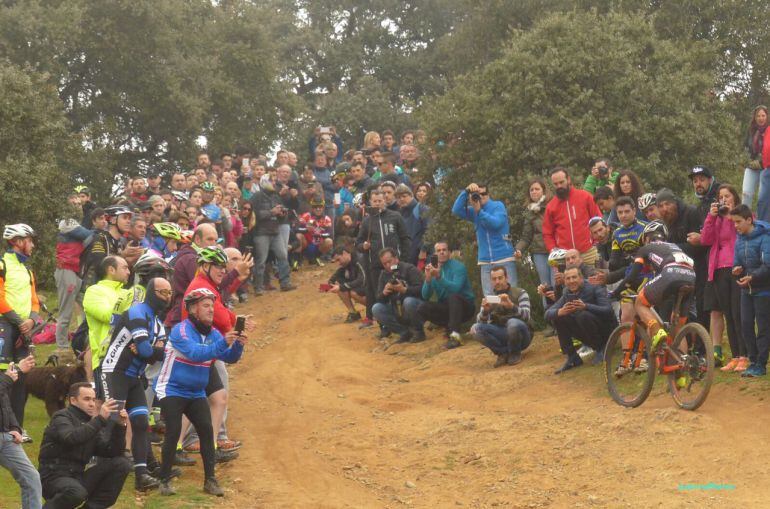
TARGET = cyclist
(164,239)
(19,308)
(648,205)
(672,268)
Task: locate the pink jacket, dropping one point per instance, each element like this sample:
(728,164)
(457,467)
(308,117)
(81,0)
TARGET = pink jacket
(719,233)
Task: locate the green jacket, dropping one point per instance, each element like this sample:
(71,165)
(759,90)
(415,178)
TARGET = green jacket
(101,302)
(592,183)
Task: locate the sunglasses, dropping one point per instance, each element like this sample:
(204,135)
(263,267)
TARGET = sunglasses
(165,292)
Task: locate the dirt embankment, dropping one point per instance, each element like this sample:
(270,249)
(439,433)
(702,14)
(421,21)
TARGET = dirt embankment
(331,419)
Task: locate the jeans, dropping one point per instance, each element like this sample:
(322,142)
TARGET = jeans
(750,183)
(15,460)
(385,313)
(511,339)
(756,309)
(451,313)
(486,270)
(544,272)
(263,244)
(67,289)
(763,201)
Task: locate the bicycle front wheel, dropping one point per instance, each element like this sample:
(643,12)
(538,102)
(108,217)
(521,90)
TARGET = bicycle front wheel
(691,383)
(629,369)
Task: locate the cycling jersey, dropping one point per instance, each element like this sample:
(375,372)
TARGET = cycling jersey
(317,227)
(673,269)
(658,255)
(626,240)
(140,326)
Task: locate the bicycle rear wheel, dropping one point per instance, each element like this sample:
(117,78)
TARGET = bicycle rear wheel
(691,383)
(629,369)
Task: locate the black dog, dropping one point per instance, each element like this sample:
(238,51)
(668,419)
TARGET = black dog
(52,383)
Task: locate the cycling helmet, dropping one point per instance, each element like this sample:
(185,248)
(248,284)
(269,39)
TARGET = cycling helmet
(646,200)
(215,255)
(179,195)
(82,189)
(117,210)
(358,199)
(186,236)
(557,257)
(168,230)
(655,229)
(197,295)
(211,212)
(151,265)
(207,186)
(14,231)
(317,202)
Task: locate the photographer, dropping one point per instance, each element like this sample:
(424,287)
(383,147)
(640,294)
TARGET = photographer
(398,298)
(349,281)
(380,228)
(324,135)
(71,440)
(448,281)
(503,323)
(602,174)
(12,455)
(270,213)
(490,218)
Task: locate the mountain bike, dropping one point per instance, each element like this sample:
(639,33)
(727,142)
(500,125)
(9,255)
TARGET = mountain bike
(686,357)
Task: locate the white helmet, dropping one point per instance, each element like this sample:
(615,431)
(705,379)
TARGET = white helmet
(557,257)
(646,200)
(22,230)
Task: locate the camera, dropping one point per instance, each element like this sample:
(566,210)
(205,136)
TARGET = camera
(475,197)
(723,209)
(434,261)
(603,172)
(548,288)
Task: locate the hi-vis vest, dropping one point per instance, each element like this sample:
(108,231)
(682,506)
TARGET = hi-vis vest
(18,284)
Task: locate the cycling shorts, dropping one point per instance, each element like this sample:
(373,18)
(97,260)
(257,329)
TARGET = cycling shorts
(117,385)
(666,284)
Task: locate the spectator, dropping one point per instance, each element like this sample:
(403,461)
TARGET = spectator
(601,234)
(602,175)
(87,206)
(415,219)
(371,140)
(684,226)
(138,190)
(409,155)
(178,182)
(320,135)
(490,219)
(317,236)
(19,308)
(107,243)
(388,141)
(647,204)
(380,229)
(322,173)
(422,192)
(448,282)
(72,439)
(752,252)
(628,184)
(532,233)
(398,299)
(605,200)
(504,327)
(101,301)
(137,233)
(361,180)
(349,281)
(722,295)
(583,312)
(270,214)
(12,455)
(565,223)
(706,189)
(70,243)
(388,189)
(755,143)
(181,387)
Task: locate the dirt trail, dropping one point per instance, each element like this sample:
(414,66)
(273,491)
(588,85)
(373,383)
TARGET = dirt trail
(329,419)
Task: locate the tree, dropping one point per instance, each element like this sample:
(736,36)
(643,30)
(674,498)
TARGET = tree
(577,87)
(36,137)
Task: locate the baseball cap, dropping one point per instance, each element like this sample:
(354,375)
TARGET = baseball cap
(700,170)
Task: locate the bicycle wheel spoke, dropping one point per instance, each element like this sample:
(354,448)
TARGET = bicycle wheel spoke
(691,383)
(628,370)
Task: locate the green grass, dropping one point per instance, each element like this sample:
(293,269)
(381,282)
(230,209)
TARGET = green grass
(189,493)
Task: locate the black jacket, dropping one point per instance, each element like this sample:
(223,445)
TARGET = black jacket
(386,229)
(407,273)
(352,277)
(705,201)
(262,202)
(688,220)
(7,418)
(73,437)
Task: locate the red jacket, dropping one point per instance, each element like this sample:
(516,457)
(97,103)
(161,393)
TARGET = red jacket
(766,149)
(224,319)
(565,223)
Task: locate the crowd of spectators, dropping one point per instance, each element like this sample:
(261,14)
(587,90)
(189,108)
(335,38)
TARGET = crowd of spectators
(152,278)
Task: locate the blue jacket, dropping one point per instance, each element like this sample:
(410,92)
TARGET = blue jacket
(188,358)
(140,326)
(416,222)
(752,252)
(454,279)
(492,228)
(323,177)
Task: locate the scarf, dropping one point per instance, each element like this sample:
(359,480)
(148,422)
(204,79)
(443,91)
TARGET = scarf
(757,139)
(536,206)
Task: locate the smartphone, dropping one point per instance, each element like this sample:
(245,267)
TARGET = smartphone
(324,287)
(240,324)
(434,260)
(245,163)
(337,199)
(325,130)
(493,299)
(115,414)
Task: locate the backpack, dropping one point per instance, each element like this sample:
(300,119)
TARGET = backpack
(79,338)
